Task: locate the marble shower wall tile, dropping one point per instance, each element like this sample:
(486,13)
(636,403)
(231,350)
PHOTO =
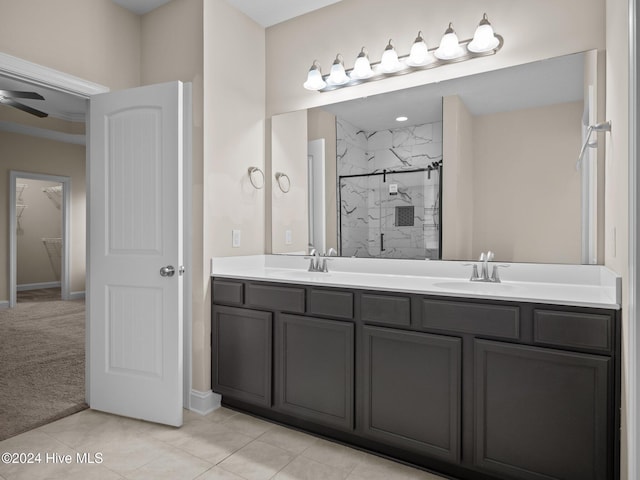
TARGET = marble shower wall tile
(367,208)
(351,148)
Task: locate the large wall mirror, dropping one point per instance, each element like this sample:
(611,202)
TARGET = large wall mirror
(447,170)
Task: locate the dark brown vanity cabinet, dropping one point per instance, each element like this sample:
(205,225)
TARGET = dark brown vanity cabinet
(472,388)
(540,413)
(241,354)
(412,390)
(314,370)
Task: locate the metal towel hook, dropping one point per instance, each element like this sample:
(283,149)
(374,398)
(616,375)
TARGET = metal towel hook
(252,179)
(284,182)
(598,127)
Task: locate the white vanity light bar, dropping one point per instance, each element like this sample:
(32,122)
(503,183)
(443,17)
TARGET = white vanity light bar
(484,43)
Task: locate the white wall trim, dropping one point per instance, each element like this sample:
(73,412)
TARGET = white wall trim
(37,286)
(187,314)
(204,402)
(65,269)
(77,295)
(43,133)
(20,69)
(4,304)
(633,334)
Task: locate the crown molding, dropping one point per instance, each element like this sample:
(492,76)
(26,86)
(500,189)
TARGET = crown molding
(20,69)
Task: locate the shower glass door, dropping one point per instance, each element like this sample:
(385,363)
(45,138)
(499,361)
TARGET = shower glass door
(391,214)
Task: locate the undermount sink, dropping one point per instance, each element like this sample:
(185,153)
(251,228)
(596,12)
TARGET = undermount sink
(477,287)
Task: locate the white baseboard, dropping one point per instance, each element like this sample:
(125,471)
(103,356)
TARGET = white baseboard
(4,304)
(76,295)
(204,402)
(37,286)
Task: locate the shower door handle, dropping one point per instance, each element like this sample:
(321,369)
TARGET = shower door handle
(167,271)
(382,242)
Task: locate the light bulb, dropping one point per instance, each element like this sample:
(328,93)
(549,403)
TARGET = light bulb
(484,40)
(314,78)
(337,76)
(449,46)
(362,67)
(419,54)
(389,62)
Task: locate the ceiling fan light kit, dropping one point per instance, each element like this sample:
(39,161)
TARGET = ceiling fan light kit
(484,42)
(7,97)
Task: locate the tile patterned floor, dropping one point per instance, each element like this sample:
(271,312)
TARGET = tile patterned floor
(224,445)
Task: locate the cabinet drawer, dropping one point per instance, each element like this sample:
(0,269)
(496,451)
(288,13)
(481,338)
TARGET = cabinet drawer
(330,303)
(226,291)
(475,318)
(573,330)
(386,309)
(286,299)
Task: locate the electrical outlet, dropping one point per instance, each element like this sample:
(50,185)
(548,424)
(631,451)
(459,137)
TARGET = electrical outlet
(288,237)
(235,238)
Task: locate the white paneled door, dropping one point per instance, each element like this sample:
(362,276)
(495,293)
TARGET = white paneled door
(135,280)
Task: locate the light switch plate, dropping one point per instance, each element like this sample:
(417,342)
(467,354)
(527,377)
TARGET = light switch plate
(235,238)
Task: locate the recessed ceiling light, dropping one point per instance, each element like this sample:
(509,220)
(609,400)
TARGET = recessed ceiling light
(401,119)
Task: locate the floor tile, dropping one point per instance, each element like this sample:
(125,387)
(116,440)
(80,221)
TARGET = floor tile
(220,415)
(302,468)
(257,461)
(174,465)
(334,454)
(217,473)
(248,425)
(90,429)
(376,468)
(291,440)
(35,442)
(212,442)
(130,453)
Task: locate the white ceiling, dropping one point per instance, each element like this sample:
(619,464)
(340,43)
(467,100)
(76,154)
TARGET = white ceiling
(263,12)
(270,12)
(535,84)
(141,6)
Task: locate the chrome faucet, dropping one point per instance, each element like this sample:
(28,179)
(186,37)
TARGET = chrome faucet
(484,276)
(315,265)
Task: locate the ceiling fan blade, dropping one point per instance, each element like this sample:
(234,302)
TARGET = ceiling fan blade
(16,94)
(24,108)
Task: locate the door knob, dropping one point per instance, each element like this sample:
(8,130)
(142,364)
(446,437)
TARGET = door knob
(167,271)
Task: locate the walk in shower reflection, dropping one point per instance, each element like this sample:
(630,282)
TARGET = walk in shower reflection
(391,214)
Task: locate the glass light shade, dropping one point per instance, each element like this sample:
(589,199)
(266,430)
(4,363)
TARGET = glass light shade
(449,46)
(389,62)
(362,67)
(314,78)
(337,76)
(484,40)
(419,54)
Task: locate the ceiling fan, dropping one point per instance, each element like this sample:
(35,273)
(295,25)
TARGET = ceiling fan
(7,98)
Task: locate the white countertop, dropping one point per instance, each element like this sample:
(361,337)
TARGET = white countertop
(576,285)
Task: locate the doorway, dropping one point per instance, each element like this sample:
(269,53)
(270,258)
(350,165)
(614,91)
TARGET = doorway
(39,230)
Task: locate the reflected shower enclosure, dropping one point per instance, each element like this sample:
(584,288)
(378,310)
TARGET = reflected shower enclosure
(390,191)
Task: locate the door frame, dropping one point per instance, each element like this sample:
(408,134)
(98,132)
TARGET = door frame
(19,69)
(65,277)
(633,335)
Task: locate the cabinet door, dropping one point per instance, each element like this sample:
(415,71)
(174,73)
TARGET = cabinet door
(315,361)
(541,413)
(241,354)
(412,388)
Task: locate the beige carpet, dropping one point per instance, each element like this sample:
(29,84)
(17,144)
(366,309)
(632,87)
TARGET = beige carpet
(42,360)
